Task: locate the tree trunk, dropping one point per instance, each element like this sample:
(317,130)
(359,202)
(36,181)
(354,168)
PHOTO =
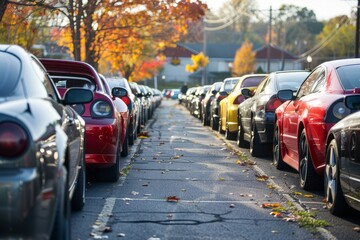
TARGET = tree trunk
(3,5)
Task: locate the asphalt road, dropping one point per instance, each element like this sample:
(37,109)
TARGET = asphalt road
(185,181)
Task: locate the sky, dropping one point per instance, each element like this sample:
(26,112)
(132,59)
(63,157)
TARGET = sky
(324,9)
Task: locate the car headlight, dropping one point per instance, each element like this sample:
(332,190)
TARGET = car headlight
(101,109)
(336,112)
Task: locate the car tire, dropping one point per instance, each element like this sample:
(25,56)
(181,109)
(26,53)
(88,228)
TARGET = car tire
(240,141)
(309,180)
(125,147)
(61,227)
(229,135)
(277,157)
(214,124)
(112,174)
(131,134)
(334,196)
(256,147)
(78,199)
(219,127)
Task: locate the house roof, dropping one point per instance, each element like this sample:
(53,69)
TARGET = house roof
(275,53)
(217,50)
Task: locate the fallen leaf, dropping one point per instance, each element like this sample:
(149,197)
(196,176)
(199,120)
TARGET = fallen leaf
(107,229)
(221,179)
(297,193)
(308,195)
(121,235)
(270,205)
(262,178)
(172,199)
(232,206)
(357,229)
(238,162)
(270,186)
(134,193)
(145,184)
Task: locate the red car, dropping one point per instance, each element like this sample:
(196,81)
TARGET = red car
(105,117)
(303,122)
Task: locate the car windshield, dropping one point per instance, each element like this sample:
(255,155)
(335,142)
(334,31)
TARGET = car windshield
(251,81)
(10,74)
(349,76)
(229,85)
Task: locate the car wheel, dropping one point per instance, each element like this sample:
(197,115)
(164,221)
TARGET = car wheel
(131,133)
(125,146)
(256,147)
(334,197)
(277,157)
(309,180)
(61,227)
(240,138)
(78,199)
(229,135)
(112,174)
(214,124)
(220,126)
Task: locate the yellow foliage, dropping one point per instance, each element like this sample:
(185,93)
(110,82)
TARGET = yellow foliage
(199,60)
(244,61)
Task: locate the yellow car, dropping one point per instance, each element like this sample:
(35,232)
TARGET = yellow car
(228,107)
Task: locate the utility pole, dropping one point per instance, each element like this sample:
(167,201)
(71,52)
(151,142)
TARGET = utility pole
(203,78)
(357,30)
(269,43)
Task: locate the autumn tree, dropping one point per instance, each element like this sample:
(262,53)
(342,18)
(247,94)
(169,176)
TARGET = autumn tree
(336,39)
(244,61)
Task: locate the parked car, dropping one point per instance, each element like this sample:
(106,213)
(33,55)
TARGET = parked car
(342,172)
(135,89)
(197,101)
(257,112)
(132,103)
(228,107)
(303,121)
(146,101)
(206,103)
(105,122)
(225,89)
(41,150)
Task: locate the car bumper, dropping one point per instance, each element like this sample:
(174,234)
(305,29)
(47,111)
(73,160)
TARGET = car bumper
(102,141)
(265,127)
(25,209)
(232,120)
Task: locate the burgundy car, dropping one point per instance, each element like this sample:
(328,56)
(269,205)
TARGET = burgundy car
(105,119)
(303,122)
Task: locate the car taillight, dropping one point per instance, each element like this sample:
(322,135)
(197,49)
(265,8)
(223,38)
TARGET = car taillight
(126,100)
(340,111)
(239,99)
(13,140)
(273,104)
(220,98)
(101,109)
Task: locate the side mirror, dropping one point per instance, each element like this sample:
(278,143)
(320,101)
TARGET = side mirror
(285,95)
(246,92)
(202,95)
(119,92)
(223,93)
(77,96)
(352,102)
(214,92)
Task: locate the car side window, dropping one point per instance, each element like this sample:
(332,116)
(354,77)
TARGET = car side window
(309,85)
(262,86)
(46,81)
(319,83)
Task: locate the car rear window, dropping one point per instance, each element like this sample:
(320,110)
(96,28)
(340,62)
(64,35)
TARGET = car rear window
(229,85)
(251,81)
(10,73)
(349,76)
(291,80)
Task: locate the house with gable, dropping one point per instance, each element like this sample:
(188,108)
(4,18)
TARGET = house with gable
(221,57)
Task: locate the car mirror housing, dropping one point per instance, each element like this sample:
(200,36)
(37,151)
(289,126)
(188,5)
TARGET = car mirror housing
(285,95)
(223,93)
(77,96)
(246,92)
(214,92)
(119,92)
(352,102)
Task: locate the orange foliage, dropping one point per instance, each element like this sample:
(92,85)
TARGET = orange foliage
(244,61)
